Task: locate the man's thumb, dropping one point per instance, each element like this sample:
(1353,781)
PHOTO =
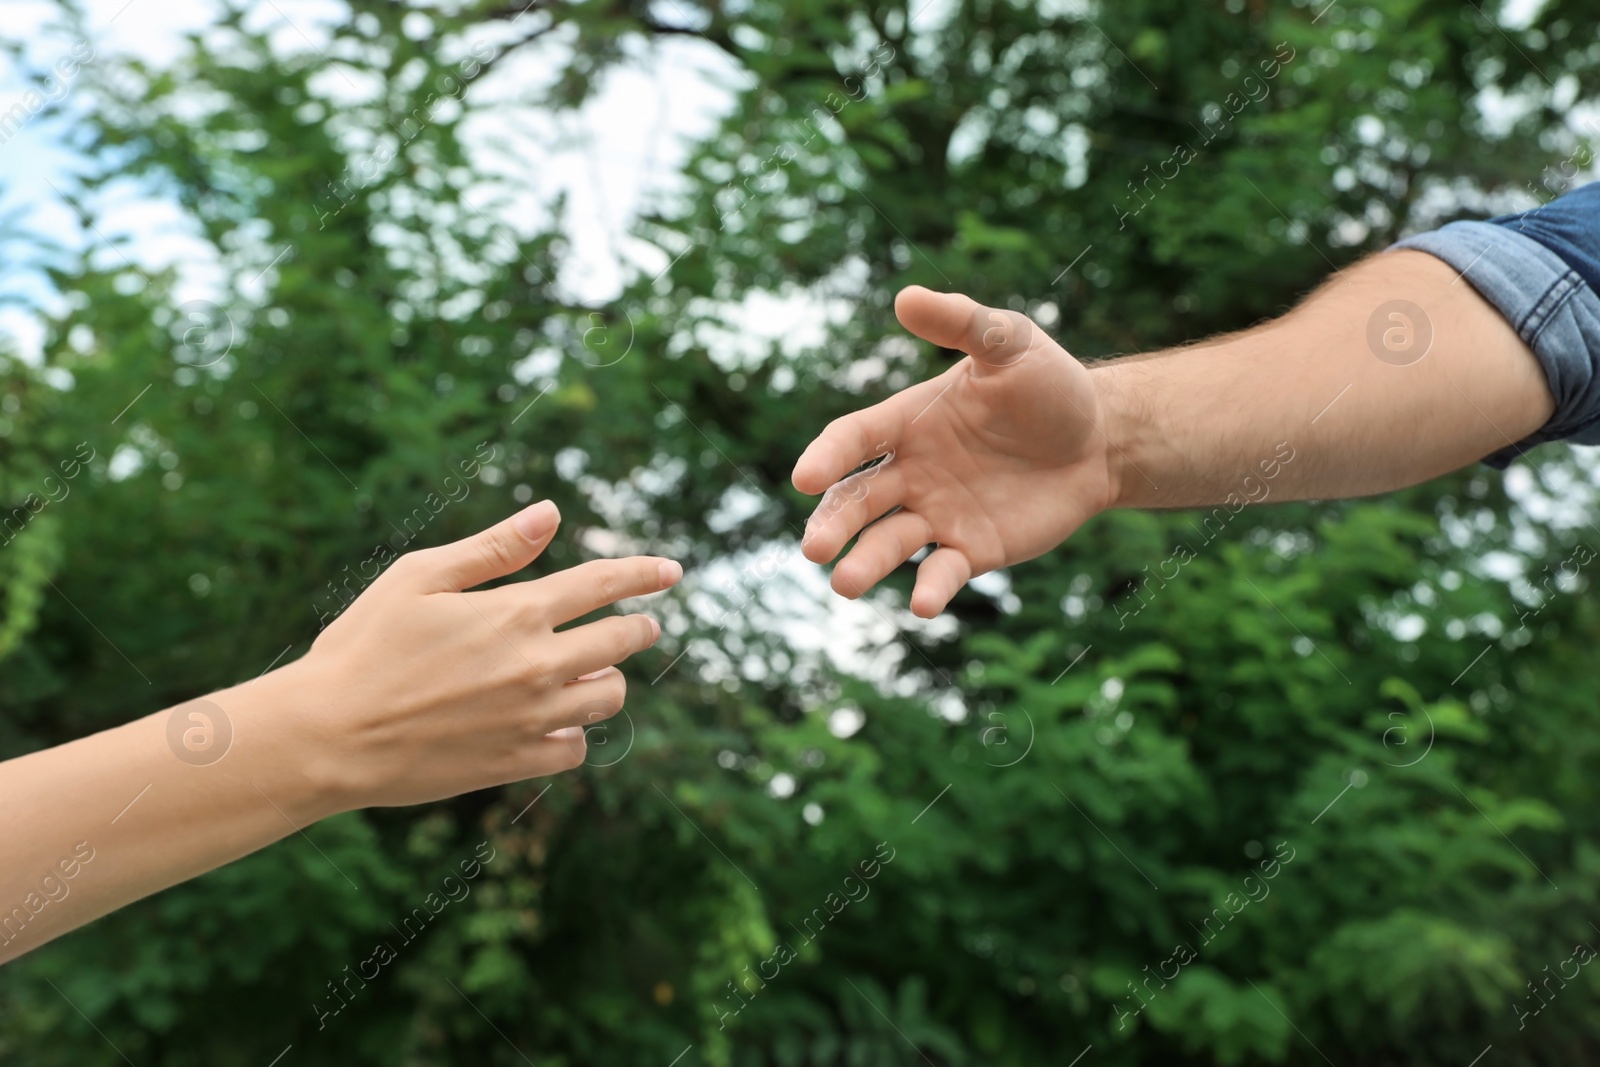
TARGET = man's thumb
(993,337)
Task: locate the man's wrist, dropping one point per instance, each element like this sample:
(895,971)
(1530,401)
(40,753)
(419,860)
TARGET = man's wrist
(1123,419)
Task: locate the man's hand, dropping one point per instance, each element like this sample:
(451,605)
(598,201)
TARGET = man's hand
(1003,456)
(997,460)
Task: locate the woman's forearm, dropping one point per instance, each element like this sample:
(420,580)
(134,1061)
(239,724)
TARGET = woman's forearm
(113,817)
(419,690)
(1394,372)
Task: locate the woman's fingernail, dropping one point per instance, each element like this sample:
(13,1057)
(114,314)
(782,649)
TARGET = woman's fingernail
(536,520)
(655,630)
(671,571)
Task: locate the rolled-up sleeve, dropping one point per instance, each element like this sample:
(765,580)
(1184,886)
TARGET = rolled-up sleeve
(1541,270)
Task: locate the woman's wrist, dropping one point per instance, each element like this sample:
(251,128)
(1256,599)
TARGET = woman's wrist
(281,742)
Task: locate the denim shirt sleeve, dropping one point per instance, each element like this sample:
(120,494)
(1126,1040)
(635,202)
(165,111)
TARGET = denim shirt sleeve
(1541,270)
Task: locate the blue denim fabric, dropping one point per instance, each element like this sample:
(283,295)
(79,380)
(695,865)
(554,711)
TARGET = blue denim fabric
(1569,227)
(1541,269)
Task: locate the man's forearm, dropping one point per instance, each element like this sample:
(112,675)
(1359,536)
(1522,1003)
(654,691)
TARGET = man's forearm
(1337,383)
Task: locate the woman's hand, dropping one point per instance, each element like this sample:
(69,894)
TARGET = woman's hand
(423,690)
(420,690)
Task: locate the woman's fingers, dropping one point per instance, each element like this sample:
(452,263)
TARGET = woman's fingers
(883,547)
(554,730)
(560,750)
(605,643)
(527,612)
(850,505)
(593,698)
(502,549)
(939,578)
(573,593)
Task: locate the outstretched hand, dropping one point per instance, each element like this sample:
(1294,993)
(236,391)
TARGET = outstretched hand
(423,689)
(995,461)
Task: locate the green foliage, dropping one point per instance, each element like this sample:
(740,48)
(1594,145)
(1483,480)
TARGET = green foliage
(1104,757)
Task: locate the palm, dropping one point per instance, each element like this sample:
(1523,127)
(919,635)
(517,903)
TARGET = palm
(996,461)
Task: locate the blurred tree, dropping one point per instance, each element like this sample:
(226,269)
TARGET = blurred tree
(1332,751)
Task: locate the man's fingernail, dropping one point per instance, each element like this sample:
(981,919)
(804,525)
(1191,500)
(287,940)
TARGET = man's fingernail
(655,629)
(536,520)
(671,571)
